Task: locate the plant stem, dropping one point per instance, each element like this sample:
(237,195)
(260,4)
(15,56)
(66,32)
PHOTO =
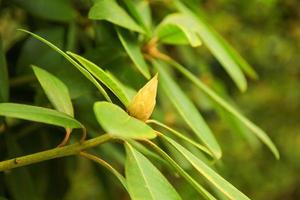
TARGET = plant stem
(69,150)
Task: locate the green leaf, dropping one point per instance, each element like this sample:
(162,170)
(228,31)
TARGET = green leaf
(219,182)
(56,91)
(216,98)
(201,190)
(102,76)
(56,10)
(133,10)
(133,50)
(144,180)
(218,47)
(118,123)
(180,135)
(178,28)
(110,11)
(38,114)
(4,85)
(66,56)
(188,111)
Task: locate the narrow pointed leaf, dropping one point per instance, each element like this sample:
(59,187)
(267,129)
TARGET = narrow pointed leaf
(178,28)
(4,86)
(214,178)
(230,109)
(110,11)
(201,190)
(118,123)
(102,76)
(105,164)
(188,111)
(218,47)
(144,180)
(38,114)
(66,56)
(180,135)
(133,50)
(56,91)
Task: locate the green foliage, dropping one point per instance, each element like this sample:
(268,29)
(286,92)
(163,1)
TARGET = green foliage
(115,50)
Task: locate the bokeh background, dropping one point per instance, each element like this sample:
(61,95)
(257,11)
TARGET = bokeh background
(265,32)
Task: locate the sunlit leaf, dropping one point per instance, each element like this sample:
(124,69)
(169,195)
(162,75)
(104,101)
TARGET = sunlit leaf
(219,182)
(178,28)
(56,91)
(144,180)
(110,11)
(218,47)
(133,50)
(38,114)
(66,56)
(216,98)
(118,123)
(102,76)
(188,111)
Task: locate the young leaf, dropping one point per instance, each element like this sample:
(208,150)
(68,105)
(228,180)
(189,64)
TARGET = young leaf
(180,135)
(144,180)
(38,114)
(216,98)
(143,103)
(4,86)
(56,91)
(118,123)
(178,28)
(66,56)
(216,45)
(202,191)
(110,11)
(134,52)
(102,76)
(225,187)
(188,111)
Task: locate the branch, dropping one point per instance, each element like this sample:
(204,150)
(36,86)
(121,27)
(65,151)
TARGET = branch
(58,152)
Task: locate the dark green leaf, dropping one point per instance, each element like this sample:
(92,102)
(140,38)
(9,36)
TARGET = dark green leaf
(110,11)
(4,85)
(118,123)
(38,114)
(144,180)
(56,10)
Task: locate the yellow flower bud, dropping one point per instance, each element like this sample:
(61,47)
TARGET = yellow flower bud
(143,103)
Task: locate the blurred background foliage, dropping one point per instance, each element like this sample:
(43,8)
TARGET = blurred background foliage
(266,33)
